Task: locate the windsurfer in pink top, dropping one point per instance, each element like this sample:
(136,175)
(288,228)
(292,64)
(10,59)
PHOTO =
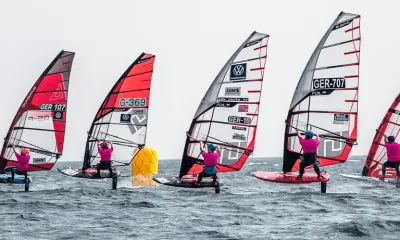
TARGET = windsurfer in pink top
(105,157)
(393,156)
(210,162)
(22,163)
(310,147)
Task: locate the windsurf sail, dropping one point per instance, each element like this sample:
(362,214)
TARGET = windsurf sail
(122,117)
(41,119)
(390,126)
(228,114)
(326,97)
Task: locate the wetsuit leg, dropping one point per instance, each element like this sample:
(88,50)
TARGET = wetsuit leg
(302,166)
(13,171)
(98,169)
(200,177)
(396,166)
(316,169)
(384,168)
(110,169)
(214,177)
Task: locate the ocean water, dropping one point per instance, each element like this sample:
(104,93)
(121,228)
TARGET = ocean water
(62,207)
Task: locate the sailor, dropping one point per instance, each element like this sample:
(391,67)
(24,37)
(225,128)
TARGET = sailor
(210,162)
(105,157)
(310,147)
(22,163)
(393,156)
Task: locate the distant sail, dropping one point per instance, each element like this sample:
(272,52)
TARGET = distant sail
(122,118)
(228,114)
(390,125)
(41,119)
(326,97)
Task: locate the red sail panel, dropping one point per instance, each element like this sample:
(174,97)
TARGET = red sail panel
(122,117)
(41,119)
(326,97)
(390,126)
(228,114)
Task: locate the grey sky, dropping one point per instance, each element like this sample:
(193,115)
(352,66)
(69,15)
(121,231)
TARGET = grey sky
(192,40)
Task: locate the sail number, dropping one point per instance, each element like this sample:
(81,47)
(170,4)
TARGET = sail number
(323,83)
(132,102)
(52,107)
(242,120)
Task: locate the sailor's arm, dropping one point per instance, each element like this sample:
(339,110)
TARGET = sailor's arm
(317,136)
(298,134)
(384,136)
(201,146)
(218,149)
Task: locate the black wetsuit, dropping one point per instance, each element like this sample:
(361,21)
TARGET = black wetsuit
(203,174)
(309,159)
(15,170)
(394,165)
(104,165)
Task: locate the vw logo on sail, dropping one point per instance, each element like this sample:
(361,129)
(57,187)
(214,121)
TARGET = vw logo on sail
(58,115)
(238,71)
(125,118)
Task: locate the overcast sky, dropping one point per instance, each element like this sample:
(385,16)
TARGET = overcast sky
(192,40)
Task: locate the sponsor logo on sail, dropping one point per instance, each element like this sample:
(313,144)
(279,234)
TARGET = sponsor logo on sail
(58,115)
(238,71)
(252,43)
(143,60)
(239,128)
(59,92)
(340,25)
(39,160)
(139,111)
(232,91)
(136,119)
(232,99)
(125,118)
(226,104)
(341,118)
(230,155)
(29,96)
(243,108)
(238,136)
(330,147)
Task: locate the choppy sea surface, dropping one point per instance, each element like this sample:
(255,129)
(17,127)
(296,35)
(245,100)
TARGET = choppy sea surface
(62,207)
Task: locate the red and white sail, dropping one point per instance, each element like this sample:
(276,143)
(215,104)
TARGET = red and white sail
(326,97)
(228,114)
(122,117)
(41,119)
(390,126)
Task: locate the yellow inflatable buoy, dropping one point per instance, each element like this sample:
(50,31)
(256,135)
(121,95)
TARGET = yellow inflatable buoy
(144,165)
